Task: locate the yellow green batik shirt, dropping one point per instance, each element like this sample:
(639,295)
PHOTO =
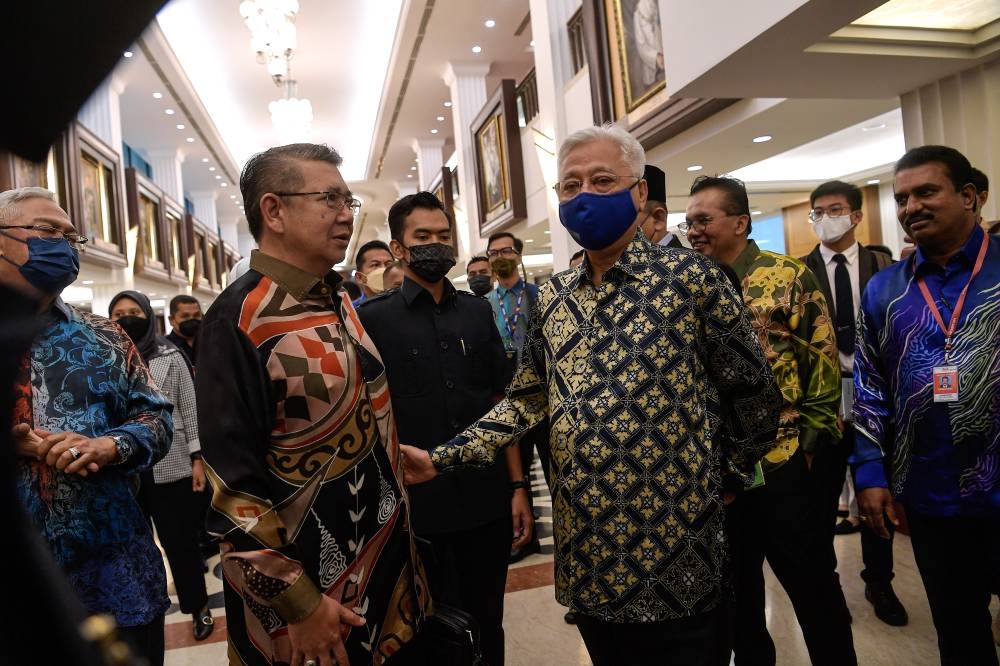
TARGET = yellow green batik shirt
(653,382)
(791,317)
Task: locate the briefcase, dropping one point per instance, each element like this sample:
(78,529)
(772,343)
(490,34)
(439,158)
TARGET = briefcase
(450,637)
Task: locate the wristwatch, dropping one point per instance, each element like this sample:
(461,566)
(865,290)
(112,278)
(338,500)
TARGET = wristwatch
(124,448)
(523,482)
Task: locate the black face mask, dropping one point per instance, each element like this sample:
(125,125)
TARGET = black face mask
(135,327)
(189,327)
(431,261)
(481,284)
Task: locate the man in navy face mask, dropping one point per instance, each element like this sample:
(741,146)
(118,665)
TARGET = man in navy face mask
(656,387)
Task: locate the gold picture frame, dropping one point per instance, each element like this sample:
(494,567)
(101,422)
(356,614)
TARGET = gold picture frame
(638,69)
(499,167)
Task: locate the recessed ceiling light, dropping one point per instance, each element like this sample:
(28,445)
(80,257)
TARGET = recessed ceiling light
(223,184)
(477,49)
(529,240)
(440,119)
(873,128)
(531,43)
(409,175)
(128,54)
(190,139)
(447,104)
(874,181)
(413,168)
(157,95)
(217,177)
(695,167)
(434,131)
(546,232)
(490,23)
(763,138)
(180,126)
(88,282)
(211,168)
(204,159)
(232,196)
(755,212)
(169,112)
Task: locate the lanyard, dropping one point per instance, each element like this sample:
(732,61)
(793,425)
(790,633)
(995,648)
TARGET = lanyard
(510,321)
(949,331)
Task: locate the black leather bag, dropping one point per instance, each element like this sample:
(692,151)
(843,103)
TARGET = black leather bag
(450,637)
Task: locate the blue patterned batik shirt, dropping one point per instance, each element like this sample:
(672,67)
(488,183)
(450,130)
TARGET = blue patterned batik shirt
(83,375)
(940,458)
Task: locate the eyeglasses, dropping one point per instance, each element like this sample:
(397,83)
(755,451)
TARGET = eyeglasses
(504,251)
(334,200)
(602,183)
(689,224)
(48,232)
(836,210)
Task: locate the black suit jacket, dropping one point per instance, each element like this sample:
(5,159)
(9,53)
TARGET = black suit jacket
(869,263)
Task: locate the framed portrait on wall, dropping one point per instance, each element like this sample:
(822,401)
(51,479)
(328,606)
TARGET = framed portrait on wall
(146,205)
(95,197)
(638,40)
(499,168)
(443,188)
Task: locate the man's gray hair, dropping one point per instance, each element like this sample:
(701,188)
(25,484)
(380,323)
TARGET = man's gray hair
(9,210)
(632,150)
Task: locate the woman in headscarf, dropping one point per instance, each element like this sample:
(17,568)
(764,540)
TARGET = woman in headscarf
(167,492)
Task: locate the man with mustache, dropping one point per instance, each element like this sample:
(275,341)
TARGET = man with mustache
(926,384)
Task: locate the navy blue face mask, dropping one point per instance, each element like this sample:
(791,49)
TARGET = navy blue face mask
(595,221)
(52,264)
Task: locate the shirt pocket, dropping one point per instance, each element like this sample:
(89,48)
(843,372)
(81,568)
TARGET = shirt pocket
(416,372)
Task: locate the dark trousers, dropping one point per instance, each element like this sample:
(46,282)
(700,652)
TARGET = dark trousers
(468,569)
(956,558)
(779,522)
(687,641)
(172,507)
(146,640)
(536,438)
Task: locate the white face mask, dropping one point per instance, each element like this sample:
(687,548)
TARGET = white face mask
(832,229)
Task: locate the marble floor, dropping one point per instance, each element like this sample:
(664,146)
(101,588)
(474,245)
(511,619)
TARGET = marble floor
(537,635)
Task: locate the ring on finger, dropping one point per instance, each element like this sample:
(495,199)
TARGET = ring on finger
(75,452)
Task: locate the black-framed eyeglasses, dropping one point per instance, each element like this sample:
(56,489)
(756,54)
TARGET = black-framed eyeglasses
(334,200)
(602,183)
(836,210)
(501,251)
(689,224)
(50,233)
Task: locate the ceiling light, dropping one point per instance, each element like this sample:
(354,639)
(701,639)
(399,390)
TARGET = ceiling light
(763,138)
(440,119)
(695,167)
(180,126)
(157,95)
(292,117)
(88,282)
(190,139)
(490,23)
(873,128)
(755,212)
(874,181)
(272,32)
(529,240)
(217,177)
(204,159)
(128,54)
(447,104)
(211,168)
(232,196)
(477,49)
(169,112)
(223,184)
(531,43)
(413,168)
(434,131)
(546,232)
(409,175)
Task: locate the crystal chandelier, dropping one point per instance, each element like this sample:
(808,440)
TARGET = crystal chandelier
(272,33)
(292,117)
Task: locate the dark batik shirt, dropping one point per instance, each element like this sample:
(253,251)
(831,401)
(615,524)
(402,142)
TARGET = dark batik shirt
(301,450)
(83,375)
(940,458)
(654,382)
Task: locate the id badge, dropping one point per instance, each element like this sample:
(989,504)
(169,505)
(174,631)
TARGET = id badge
(946,383)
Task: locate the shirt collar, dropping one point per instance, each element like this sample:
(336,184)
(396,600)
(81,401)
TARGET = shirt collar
(518,286)
(967,254)
(411,291)
(59,306)
(298,283)
(742,263)
(632,264)
(851,253)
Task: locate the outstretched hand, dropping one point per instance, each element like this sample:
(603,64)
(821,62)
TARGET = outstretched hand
(417,465)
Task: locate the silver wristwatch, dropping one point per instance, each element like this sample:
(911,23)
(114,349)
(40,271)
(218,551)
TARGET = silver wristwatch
(124,448)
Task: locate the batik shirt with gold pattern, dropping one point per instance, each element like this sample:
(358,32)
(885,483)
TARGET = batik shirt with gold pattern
(790,314)
(654,383)
(297,431)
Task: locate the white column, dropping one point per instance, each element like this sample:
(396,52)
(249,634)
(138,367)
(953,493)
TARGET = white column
(430,159)
(166,164)
(204,208)
(467,82)
(229,229)
(101,114)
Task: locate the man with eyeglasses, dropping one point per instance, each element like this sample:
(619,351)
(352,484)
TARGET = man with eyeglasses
(655,386)
(299,439)
(88,419)
(778,519)
(843,268)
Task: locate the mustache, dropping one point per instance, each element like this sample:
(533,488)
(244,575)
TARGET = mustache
(916,217)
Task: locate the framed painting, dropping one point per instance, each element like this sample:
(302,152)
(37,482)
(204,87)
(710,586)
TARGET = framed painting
(635,33)
(95,197)
(442,187)
(146,204)
(499,167)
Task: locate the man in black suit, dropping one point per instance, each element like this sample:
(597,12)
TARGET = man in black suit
(843,268)
(653,218)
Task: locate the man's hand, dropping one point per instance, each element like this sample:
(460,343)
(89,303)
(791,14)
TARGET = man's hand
(94,452)
(873,505)
(524,520)
(25,441)
(417,465)
(320,637)
(197,475)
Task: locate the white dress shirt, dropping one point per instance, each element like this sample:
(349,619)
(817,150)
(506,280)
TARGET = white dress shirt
(851,254)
